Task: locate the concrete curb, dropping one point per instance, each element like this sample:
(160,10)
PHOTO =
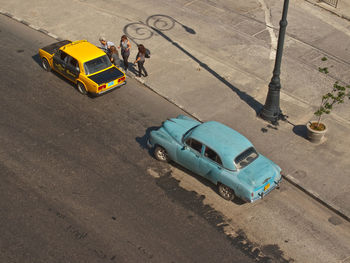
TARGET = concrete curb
(328,9)
(288,178)
(30,25)
(316,197)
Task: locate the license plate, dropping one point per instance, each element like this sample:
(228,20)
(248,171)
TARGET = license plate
(110,84)
(266,187)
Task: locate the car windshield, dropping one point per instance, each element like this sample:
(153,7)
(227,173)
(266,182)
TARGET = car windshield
(246,157)
(97,64)
(188,131)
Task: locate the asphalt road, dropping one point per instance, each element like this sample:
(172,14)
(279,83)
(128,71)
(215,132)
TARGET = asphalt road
(74,182)
(79,185)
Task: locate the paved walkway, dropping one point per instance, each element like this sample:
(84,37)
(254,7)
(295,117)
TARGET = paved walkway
(216,60)
(338,7)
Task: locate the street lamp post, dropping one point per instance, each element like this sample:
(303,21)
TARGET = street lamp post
(271,110)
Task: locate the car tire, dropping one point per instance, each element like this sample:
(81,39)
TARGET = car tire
(81,88)
(226,192)
(161,154)
(45,65)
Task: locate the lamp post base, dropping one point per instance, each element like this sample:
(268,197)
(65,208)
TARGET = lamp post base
(271,110)
(271,116)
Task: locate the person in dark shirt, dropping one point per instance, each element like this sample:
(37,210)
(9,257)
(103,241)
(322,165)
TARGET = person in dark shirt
(115,56)
(140,59)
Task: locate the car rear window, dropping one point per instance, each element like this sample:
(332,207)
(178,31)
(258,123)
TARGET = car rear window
(97,64)
(246,157)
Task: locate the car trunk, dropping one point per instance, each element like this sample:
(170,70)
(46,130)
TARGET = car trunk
(258,173)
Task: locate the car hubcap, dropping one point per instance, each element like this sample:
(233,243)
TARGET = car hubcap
(225,191)
(80,88)
(162,154)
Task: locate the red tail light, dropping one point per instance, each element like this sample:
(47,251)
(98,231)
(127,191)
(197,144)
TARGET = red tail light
(101,87)
(121,79)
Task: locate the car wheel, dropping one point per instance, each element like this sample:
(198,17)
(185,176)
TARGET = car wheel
(160,154)
(46,65)
(226,192)
(81,88)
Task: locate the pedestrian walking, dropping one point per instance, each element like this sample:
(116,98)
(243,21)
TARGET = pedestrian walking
(106,45)
(125,50)
(140,59)
(115,56)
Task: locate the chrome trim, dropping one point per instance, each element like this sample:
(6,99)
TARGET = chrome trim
(262,194)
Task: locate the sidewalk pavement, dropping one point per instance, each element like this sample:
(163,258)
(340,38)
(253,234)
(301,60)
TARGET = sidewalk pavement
(341,9)
(215,61)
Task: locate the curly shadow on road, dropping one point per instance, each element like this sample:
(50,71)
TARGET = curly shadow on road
(160,23)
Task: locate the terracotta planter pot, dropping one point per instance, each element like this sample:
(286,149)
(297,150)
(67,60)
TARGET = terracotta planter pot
(315,136)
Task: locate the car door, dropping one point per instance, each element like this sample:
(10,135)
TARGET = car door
(72,69)
(60,60)
(210,165)
(189,155)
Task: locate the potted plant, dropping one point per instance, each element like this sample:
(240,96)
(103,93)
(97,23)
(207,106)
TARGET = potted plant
(316,129)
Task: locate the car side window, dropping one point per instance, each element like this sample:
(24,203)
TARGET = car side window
(194,144)
(209,153)
(74,63)
(63,56)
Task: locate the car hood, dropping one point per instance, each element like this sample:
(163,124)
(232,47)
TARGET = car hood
(176,127)
(259,172)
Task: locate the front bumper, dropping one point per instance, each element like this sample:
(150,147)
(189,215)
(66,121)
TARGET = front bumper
(149,144)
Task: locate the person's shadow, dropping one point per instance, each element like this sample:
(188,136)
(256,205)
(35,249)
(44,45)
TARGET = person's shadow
(148,30)
(133,68)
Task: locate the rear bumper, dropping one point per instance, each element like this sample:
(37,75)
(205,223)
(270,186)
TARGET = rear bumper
(263,193)
(107,90)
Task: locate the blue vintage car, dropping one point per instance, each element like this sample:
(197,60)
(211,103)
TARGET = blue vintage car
(218,153)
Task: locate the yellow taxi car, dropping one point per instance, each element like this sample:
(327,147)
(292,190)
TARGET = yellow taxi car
(84,64)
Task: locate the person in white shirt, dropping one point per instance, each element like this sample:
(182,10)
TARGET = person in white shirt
(106,45)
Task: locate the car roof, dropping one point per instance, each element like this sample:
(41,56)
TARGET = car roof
(82,50)
(225,141)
